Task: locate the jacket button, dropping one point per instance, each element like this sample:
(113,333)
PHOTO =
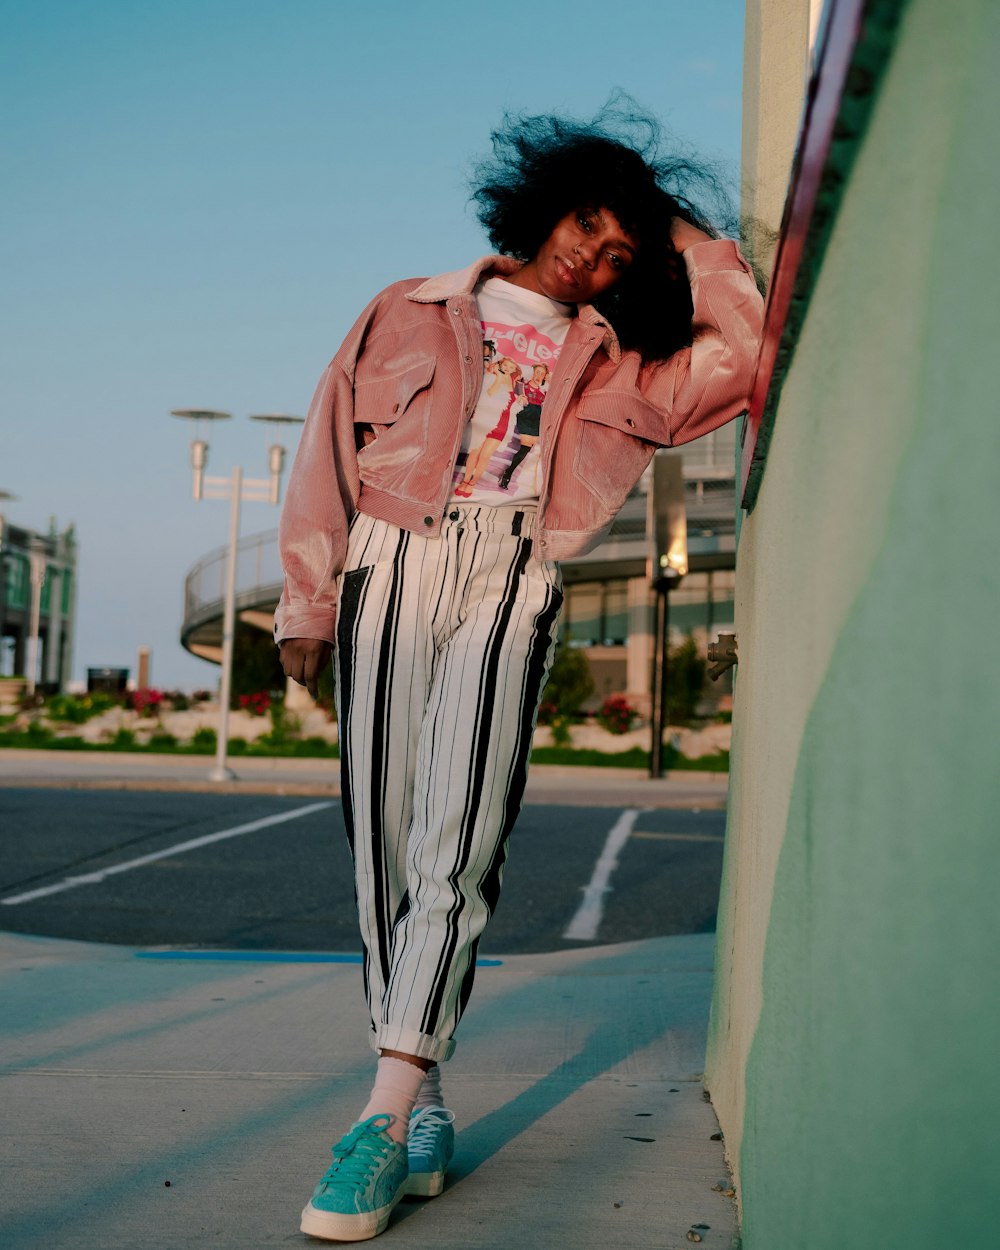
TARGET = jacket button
(428,520)
(629,422)
(468,360)
(457,312)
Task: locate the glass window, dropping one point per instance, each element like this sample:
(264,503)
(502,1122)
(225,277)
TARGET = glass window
(615,618)
(582,627)
(18,580)
(596,614)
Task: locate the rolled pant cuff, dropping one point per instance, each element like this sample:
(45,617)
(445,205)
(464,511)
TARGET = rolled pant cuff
(410,1042)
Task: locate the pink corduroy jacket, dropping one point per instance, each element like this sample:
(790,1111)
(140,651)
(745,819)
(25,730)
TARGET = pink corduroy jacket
(385,425)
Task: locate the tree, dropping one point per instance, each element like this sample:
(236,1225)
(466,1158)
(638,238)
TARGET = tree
(569,686)
(256,665)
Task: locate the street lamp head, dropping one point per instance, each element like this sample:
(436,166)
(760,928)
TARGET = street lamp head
(199,447)
(200,414)
(277,418)
(276,453)
(276,459)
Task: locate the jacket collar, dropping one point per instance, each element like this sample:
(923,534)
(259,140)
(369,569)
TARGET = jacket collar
(462,281)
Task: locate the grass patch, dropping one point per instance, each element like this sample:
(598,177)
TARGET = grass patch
(204,743)
(635,757)
(35,736)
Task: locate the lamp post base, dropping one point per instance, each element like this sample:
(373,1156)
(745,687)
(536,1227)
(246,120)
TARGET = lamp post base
(222,774)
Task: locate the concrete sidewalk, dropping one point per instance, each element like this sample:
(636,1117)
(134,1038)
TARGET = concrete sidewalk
(547,783)
(165,1100)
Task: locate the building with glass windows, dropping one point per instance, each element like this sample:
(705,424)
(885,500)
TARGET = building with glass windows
(37,603)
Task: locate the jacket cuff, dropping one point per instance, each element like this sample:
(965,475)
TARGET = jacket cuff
(306,621)
(714,256)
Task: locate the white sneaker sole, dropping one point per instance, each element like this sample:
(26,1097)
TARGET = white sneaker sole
(424,1184)
(333,1226)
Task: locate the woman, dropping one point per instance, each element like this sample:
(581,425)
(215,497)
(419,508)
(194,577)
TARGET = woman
(649,326)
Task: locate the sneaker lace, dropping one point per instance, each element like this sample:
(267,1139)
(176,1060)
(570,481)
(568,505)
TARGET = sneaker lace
(359,1152)
(425,1124)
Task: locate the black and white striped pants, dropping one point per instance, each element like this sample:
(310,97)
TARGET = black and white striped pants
(443,647)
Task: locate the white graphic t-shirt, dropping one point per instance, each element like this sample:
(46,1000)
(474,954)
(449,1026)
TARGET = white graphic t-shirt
(523,332)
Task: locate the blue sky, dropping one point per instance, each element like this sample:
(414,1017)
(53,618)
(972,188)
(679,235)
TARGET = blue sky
(200,196)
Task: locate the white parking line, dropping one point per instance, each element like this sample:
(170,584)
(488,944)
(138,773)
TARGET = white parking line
(584,925)
(93,878)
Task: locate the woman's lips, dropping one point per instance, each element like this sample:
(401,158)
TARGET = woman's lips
(566,273)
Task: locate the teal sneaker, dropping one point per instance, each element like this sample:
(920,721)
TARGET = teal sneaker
(430,1144)
(356,1195)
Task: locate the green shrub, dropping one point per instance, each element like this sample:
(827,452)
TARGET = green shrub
(686,674)
(37,734)
(124,740)
(162,741)
(204,741)
(569,686)
(238,746)
(286,727)
(70,743)
(76,709)
(317,744)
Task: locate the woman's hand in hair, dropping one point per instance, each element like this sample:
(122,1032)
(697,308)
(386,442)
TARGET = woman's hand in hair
(303,659)
(684,235)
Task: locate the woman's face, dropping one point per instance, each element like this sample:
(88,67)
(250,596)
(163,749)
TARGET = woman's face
(585,255)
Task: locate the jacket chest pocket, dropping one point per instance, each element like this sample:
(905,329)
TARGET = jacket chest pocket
(616,435)
(380,401)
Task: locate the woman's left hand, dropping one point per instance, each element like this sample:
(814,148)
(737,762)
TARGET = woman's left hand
(684,235)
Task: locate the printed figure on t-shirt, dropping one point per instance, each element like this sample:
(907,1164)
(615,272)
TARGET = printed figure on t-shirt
(507,377)
(521,330)
(528,423)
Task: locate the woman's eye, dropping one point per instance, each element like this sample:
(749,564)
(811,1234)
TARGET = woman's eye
(616,261)
(583,221)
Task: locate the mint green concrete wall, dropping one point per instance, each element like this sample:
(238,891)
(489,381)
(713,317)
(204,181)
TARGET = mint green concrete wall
(856,1025)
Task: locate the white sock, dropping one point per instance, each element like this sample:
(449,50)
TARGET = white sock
(430,1091)
(397,1084)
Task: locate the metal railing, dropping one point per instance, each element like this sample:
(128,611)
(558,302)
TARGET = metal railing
(258,580)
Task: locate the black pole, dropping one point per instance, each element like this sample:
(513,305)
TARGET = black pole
(656,730)
(664,663)
(659,691)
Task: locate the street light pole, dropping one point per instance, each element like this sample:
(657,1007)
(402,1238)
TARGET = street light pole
(235,489)
(666,527)
(222,771)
